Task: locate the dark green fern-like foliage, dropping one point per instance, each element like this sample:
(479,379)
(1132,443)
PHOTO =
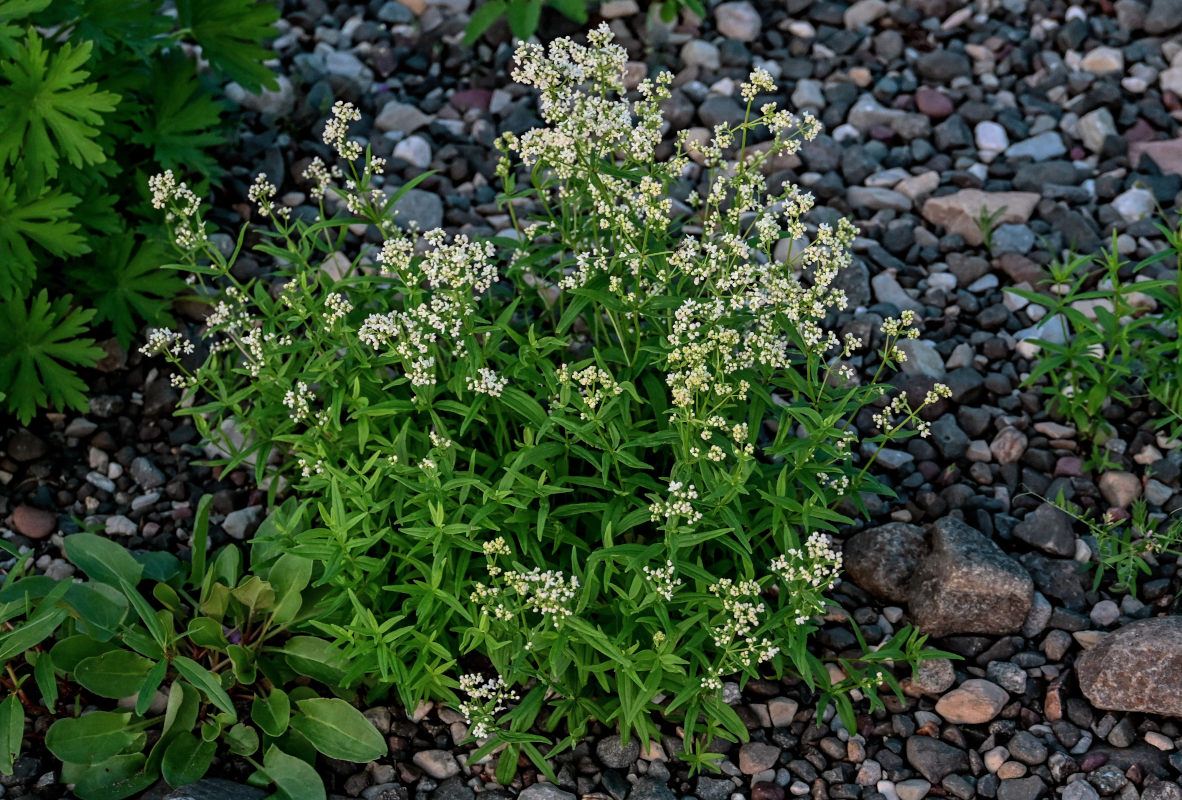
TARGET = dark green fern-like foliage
(95,96)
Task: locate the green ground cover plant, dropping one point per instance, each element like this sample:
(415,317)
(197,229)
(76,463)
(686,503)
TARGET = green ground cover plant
(94,95)
(1116,339)
(524,16)
(583,472)
(202,658)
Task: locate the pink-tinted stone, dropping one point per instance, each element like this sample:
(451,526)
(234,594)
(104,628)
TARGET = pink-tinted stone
(1069,467)
(1078,153)
(932,103)
(466,99)
(34,523)
(1166,153)
(1141,131)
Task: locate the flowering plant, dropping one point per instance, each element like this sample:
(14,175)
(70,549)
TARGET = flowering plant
(587,469)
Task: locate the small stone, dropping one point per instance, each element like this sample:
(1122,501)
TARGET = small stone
(422,208)
(974,702)
(864,12)
(933,103)
(1049,529)
(961,212)
(935,759)
(922,358)
(401,117)
(755,757)
(1008,446)
(1043,147)
(934,676)
(1027,748)
(1165,16)
(145,473)
(24,447)
(214,789)
(881,559)
(276,104)
(119,525)
(1119,488)
(1135,204)
(1096,126)
(1159,740)
(1102,60)
(1021,788)
(942,66)
(439,764)
(614,9)
(414,150)
(612,753)
(1008,676)
(991,137)
(243,522)
(34,523)
(782,711)
(808,94)
(699,53)
(80,428)
(738,20)
(912,789)
(1080,790)
(1104,613)
(100,481)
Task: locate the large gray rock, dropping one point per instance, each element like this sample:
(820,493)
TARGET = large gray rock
(881,560)
(1136,668)
(966,584)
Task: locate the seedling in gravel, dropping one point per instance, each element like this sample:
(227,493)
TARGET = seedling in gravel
(1126,545)
(594,464)
(196,655)
(987,223)
(1121,341)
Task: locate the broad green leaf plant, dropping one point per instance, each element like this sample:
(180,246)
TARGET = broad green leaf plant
(175,664)
(585,471)
(94,94)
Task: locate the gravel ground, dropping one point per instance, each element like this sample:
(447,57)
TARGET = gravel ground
(1066,115)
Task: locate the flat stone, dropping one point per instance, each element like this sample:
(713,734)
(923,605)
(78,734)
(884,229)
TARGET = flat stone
(439,764)
(1119,488)
(215,789)
(422,208)
(864,12)
(738,20)
(612,753)
(755,757)
(414,150)
(277,104)
(23,446)
(933,103)
(119,525)
(544,791)
(991,137)
(146,474)
(1102,60)
(922,358)
(1164,17)
(1096,126)
(243,522)
(402,118)
(867,113)
(942,66)
(1043,147)
(35,523)
(960,212)
(877,199)
(1166,153)
(966,584)
(918,187)
(887,290)
(935,759)
(974,702)
(882,559)
(702,54)
(1137,667)
(1048,529)
(1021,788)
(1135,204)
(1008,446)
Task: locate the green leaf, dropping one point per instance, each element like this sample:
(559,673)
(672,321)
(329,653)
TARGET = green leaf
(294,779)
(119,673)
(200,540)
(129,289)
(53,112)
(229,32)
(102,559)
(187,759)
(90,739)
(273,714)
(12,730)
(482,18)
(147,690)
(68,653)
(574,10)
(9,34)
(45,677)
(523,17)
(181,120)
(30,220)
(207,682)
(242,739)
(114,779)
(338,730)
(36,344)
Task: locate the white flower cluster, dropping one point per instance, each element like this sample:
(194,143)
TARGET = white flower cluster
(594,384)
(487,697)
(299,399)
(886,420)
(184,210)
(336,130)
(679,503)
(310,468)
(807,574)
(162,341)
(338,306)
(262,193)
(488,382)
(663,580)
(741,612)
(321,177)
(457,272)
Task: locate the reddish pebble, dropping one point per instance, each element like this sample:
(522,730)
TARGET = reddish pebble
(466,99)
(882,133)
(182,513)
(766,790)
(34,523)
(1142,131)
(1078,153)
(932,103)
(1069,467)
(1093,761)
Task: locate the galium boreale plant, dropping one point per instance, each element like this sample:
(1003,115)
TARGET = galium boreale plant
(584,472)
